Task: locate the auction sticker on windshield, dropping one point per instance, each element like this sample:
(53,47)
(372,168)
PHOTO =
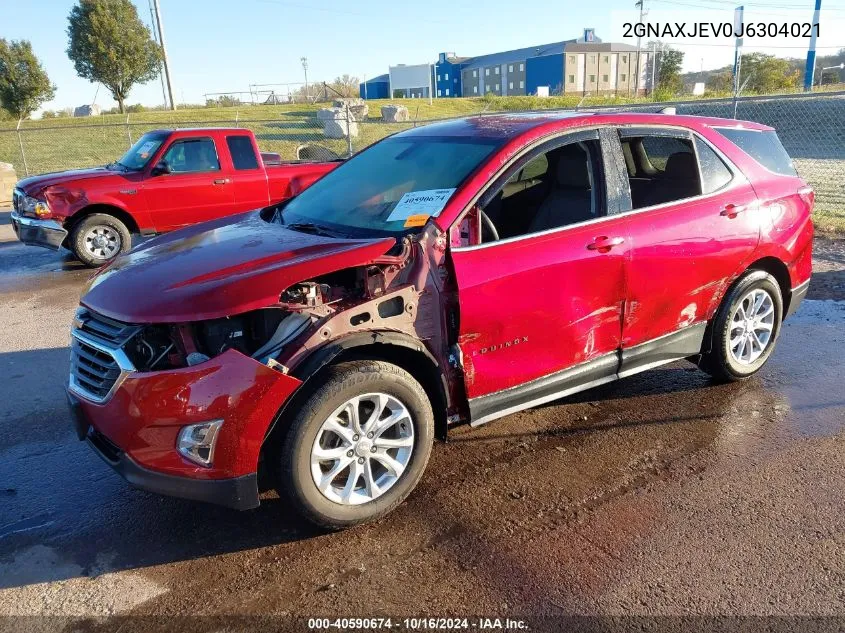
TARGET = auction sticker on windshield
(429,202)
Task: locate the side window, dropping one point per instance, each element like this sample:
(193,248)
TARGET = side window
(243,154)
(192,155)
(661,169)
(764,147)
(714,173)
(556,188)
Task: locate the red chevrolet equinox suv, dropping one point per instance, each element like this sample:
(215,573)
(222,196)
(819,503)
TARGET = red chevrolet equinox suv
(453,273)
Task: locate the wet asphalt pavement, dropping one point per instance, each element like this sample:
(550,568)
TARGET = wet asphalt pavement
(660,494)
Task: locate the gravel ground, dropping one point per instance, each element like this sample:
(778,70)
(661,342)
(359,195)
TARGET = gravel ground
(662,495)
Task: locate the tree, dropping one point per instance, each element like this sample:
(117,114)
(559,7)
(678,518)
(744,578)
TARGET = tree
(721,82)
(346,85)
(109,44)
(669,63)
(24,85)
(765,74)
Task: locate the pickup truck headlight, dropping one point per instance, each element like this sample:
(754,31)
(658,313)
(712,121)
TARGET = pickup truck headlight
(36,207)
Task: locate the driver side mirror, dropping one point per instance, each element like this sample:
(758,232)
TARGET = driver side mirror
(161,167)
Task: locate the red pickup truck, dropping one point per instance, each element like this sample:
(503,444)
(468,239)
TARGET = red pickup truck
(167,180)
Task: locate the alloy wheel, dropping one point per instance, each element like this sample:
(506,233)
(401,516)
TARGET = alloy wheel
(752,324)
(362,449)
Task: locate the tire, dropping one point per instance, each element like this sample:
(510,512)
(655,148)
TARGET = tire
(114,233)
(727,362)
(342,505)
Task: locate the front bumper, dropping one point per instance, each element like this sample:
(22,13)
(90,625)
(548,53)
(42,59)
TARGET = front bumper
(240,493)
(135,430)
(34,232)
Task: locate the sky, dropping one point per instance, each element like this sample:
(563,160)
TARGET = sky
(226,45)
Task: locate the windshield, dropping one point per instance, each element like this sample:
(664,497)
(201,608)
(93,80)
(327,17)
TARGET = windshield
(392,187)
(142,151)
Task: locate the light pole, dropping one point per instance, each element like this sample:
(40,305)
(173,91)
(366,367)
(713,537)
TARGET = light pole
(164,55)
(304,61)
(821,74)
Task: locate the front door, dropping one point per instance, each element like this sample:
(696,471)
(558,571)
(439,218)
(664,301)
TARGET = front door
(694,223)
(541,299)
(196,188)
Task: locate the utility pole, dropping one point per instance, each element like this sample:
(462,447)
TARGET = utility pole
(810,68)
(304,61)
(160,69)
(641,5)
(164,55)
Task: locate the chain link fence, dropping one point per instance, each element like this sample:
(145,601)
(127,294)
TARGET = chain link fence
(812,128)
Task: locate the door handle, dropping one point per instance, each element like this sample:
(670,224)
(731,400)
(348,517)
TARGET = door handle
(731,210)
(221,181)
(603,244)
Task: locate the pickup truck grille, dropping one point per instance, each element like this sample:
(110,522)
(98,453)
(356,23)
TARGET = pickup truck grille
(97,360)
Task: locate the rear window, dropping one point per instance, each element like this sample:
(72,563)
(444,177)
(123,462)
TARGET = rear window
(764,147)
(243,154)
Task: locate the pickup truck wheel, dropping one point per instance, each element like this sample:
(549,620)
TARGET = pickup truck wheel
(99,238)
(745,328)
(357,446)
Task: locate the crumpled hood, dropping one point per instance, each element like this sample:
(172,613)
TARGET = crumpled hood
(35,184)
(218,269)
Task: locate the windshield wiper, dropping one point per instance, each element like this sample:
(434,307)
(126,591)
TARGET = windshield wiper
(310,227)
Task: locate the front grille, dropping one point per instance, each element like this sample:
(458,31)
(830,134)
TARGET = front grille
(94,370)
(97,360)
(103,328)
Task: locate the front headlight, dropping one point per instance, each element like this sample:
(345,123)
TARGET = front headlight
(36,207)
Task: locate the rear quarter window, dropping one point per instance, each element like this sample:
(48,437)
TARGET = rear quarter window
(764,147)
(243,154)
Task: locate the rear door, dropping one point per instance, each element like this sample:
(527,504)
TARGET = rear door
(199,186)
(540,311)
(249,176)
(693,222)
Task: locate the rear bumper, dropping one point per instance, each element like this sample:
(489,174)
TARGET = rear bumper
(46,233)
(796,297)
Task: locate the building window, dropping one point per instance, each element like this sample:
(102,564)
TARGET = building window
(625,58)
(592,79)
(572,79)
(572,59)
(510,69)
(510,85)
(438,77)
(606,59)
(447,92)
(456,80)
(486,72)
(475,73)
(604,78)
(497,70)
(623,77)
(592,59)
(446,77)
(522,85)
(497,87)
(438,93)
(521,67)
(475,89)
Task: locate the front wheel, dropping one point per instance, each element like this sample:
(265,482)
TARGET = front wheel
(745,328)
(99,238)
(358,444)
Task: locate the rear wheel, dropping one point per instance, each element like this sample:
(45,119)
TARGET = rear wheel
(99,238)
(745,328)
(357,446)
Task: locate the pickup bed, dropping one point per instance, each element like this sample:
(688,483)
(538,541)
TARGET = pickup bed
(167,180)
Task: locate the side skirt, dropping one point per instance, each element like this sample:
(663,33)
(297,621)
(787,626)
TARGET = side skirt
(601,370)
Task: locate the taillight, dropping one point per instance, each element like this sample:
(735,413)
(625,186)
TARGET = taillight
(807,195)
